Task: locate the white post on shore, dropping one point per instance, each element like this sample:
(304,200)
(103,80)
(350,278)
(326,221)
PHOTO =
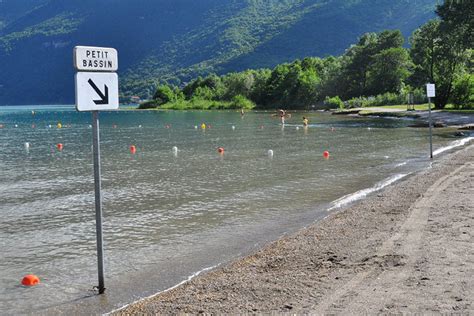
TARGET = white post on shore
(431,127)
(430,93)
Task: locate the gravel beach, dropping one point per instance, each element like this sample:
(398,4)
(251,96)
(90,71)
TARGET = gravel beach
(406,249)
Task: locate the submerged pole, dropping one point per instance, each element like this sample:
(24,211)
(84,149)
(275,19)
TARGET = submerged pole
(98,200)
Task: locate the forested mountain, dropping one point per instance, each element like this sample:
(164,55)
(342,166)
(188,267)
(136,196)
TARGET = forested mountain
(177,40)
(11,10)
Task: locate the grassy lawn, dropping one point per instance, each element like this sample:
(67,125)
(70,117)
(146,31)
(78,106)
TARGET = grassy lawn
(399,110)
(470,111)
(424,107)
(450,108)
(418,107)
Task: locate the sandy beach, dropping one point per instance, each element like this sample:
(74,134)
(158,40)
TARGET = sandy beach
(405,249)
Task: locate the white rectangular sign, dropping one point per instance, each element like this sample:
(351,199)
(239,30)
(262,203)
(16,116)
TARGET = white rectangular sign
(96,91)
(430,90)
(88,58)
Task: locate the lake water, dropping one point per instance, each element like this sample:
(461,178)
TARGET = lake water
(167,217)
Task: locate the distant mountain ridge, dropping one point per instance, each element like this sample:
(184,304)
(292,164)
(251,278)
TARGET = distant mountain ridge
(177,40)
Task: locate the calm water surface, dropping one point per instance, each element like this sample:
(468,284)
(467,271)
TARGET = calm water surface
(165,216)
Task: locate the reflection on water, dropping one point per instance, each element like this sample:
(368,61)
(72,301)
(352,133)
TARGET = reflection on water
(181,210)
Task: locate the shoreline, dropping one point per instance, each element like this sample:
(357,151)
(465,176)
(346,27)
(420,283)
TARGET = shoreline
(305,272)
(441,119)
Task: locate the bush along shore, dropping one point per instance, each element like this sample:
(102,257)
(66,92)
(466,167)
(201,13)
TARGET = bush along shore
(377,70)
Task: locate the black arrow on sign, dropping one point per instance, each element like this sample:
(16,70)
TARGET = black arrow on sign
(104,97)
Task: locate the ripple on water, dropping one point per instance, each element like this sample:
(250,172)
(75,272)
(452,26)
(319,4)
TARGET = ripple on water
(184,212)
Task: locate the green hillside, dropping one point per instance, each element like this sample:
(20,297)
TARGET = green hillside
(177,40)
(12,10)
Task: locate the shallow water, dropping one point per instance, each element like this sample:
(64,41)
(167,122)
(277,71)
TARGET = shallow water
(170,216)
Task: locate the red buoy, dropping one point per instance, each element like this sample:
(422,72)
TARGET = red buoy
(220,150)
(326,154)
(59,146)
(133,149)
(30,280)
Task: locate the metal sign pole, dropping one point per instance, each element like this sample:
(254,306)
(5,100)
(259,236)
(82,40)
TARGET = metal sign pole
(98,200)
(431,128)
(96,90)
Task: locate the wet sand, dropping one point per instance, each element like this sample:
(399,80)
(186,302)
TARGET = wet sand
(405,249)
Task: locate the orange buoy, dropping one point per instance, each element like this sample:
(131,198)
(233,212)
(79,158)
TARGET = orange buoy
(59,146)
(30,280)
(133,149)
(326,154)
(220,150)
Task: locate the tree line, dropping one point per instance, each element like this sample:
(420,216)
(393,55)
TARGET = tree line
(377,70)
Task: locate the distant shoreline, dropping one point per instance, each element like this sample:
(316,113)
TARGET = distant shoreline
(441,118)
(462,119)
